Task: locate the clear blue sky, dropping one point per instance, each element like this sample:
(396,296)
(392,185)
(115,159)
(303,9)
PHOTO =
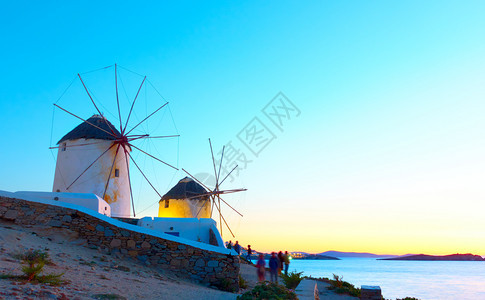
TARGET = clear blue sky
(391,96)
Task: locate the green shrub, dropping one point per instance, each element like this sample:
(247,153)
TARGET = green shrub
(292,280)
(52,279)
(338,280)
(242,282)
(34,262)
(266,290)
(225,285)
(343,287)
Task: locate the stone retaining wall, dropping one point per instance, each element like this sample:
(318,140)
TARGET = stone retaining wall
(212,268)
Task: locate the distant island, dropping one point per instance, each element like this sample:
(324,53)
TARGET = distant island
(452,257)
(316,256)
(305,255)
(354,254)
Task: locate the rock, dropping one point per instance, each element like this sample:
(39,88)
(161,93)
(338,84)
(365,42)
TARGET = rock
(115,243)
(121,268)
(55,223)
(67,219)
(108,232)
(370,292)
(131,244)
(145,245)
(213,263)
(11,215)
(175,262)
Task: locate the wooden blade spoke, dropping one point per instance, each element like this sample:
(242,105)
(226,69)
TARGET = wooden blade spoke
(111,171)
(133,104)
(214,163)
(229,206)
(222,217)
(220,165)
(146,118)
(147,136)
(231,191)
(129,180)
(196,180)
(217,193)
(134,138)
(203,204)
(106,121)
(78,145)
(200,195)
(144,175)
(152,156)
(213,202)
(117,98)
(220,212)
(228,174)
(112,134)
(112,145)
(136,135)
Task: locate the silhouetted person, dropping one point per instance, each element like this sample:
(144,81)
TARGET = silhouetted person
(274,265)
(286,258)
(280,259)
(250,251)
(229,245)
(260,268)
(237,247)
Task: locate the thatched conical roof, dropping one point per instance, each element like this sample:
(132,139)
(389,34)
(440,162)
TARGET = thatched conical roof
(186,188)
(87,131)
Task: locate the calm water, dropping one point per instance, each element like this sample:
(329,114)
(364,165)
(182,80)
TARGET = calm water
(399,279)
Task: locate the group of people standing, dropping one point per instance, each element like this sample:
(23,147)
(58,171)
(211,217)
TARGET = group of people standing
(276,264)
(238,248)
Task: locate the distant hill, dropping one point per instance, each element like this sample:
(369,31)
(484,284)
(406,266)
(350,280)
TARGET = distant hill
(305,255)
(354,254)
(452,257)
(317,256)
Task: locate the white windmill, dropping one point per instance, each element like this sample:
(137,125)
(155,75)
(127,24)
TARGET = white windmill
(95,156)
(213,196)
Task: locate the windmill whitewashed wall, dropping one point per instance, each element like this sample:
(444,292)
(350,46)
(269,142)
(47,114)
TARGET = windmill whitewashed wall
(81,147)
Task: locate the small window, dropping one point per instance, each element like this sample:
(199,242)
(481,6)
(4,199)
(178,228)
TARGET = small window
(64,147)
(117,172)
(166,203)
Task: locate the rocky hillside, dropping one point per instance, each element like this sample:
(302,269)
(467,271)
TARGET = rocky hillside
(88,273)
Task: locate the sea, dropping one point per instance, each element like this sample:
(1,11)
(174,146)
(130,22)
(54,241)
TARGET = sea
(399,279)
